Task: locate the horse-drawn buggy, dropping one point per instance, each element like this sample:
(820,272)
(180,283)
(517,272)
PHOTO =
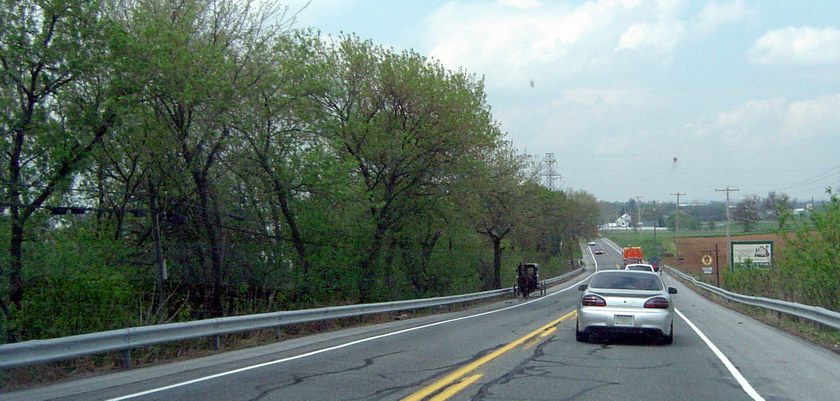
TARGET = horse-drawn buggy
(528,280)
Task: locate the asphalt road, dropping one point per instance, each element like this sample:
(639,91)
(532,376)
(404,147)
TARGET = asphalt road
(510,350)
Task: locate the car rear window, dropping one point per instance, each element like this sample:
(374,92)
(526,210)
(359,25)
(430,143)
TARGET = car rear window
(626,281)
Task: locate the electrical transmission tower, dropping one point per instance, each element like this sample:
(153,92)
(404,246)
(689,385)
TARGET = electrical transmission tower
(550,170)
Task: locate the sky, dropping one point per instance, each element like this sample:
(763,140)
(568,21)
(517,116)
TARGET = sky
(639,98)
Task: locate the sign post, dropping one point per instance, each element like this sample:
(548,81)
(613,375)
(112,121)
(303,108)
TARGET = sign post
(707,263)
(717,265)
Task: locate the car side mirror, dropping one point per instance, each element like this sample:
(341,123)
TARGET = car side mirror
(672,290)
(582,287)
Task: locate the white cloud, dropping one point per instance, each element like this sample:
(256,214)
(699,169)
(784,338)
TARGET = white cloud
(813,118)
(523,4)
(775,120)
(513,45)
(715,14)
(605,97)
(791,45)
(662,36)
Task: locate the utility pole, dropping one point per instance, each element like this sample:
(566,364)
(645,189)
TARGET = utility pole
(727,190)
(159,259)
(655,223)
(638,214)
(677,228)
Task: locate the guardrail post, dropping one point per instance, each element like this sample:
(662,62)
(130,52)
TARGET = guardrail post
(127,358)
(278,333)
(216,342)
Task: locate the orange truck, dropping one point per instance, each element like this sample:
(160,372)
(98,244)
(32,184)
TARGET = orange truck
(632,254)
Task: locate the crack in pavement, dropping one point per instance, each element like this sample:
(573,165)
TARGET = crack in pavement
(525,370)
(298,379)
(388,391)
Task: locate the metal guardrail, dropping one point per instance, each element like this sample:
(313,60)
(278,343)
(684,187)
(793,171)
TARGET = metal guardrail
(814,313)
(41,351)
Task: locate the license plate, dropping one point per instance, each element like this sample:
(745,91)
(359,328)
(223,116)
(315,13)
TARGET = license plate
(623,320)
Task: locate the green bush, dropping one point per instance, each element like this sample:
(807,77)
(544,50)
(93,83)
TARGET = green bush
(74,301)
(75,283)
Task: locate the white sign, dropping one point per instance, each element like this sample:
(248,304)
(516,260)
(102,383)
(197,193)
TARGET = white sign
(707,270)
(757,252)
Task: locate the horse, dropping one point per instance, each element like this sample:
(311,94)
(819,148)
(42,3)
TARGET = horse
(523,279)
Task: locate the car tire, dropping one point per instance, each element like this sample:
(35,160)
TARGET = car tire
(580,336)
(669,339)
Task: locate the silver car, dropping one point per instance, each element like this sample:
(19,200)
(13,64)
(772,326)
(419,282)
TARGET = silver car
(623,301)
(639,267)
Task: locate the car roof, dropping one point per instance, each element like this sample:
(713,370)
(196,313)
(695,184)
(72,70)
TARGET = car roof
(618,272)
(639,264)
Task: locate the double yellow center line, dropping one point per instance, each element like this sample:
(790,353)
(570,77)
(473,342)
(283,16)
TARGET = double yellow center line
(458,376)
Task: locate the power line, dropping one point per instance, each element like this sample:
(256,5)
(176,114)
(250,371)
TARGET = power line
(814,179)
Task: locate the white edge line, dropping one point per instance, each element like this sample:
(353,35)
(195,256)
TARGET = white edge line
(610,244)
(732,370)
(589,248)
(335,347)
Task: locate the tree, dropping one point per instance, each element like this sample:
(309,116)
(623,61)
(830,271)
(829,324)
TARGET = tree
(407,124)
(502,203)
(812,257)
(778,204)
(201,61)
(746,212)
(58,104)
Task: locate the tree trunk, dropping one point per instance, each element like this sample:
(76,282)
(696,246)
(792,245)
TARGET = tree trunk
(159,262)
(389,267)
(16,263)
(367,284)
(209,218)
(297,240)
(497,263)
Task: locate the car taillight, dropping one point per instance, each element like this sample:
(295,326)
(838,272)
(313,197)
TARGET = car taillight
(657,303)
(592,300)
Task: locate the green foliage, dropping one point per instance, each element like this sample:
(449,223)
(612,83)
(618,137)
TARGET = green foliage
(808,269)
(811,259)
(75,301)
(280,171)
(80,284)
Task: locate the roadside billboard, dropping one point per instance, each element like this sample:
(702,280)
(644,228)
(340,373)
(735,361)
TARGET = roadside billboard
(755,253)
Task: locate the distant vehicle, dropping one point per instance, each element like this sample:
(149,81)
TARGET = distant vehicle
(591,243)
(599,251)
(620,301)
(654,261)
(632,254)
(640,267)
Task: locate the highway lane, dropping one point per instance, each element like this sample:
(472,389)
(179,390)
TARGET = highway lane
(777,364)
(513,352)
(384,368)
